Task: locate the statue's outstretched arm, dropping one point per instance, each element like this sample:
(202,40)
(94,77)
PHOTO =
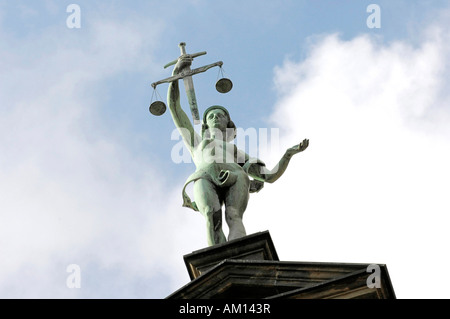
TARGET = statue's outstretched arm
(263,174)
(180,118)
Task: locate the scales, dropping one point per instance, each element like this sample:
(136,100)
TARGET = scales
(223,85)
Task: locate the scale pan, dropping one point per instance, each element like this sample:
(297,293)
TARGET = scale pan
(224,85)
(157,108)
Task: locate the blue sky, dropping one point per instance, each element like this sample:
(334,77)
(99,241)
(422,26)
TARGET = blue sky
(87,175)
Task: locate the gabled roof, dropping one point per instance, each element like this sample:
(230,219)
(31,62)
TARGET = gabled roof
(248,268)
(248,279)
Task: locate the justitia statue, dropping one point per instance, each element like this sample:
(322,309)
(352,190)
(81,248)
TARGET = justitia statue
(222,176)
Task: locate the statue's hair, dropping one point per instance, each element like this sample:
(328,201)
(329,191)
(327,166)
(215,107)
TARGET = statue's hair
(230,125)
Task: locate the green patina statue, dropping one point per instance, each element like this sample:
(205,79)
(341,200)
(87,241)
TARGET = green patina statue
(223,172)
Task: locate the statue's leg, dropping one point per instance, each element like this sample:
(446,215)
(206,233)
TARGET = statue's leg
(208,204)
(235,204)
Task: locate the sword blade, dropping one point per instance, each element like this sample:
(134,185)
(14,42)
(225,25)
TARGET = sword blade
(189,87)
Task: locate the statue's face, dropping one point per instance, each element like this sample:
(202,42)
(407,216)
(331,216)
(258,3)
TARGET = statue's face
(217,119)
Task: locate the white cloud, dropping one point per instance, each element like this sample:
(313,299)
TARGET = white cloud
(373,185)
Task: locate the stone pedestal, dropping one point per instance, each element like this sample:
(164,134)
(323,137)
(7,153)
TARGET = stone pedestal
(249,268)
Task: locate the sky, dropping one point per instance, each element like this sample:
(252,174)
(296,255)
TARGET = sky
(89,179)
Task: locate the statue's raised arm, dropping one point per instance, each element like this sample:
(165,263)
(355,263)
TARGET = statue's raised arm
(180,118)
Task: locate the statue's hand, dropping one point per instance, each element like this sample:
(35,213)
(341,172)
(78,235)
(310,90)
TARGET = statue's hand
(297,148)
(183,62)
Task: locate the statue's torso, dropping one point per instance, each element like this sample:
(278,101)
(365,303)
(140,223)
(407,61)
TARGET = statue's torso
(217,153)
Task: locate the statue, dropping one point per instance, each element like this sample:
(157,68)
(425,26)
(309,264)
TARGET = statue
(223,172)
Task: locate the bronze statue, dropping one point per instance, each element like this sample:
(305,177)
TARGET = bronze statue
(223,172)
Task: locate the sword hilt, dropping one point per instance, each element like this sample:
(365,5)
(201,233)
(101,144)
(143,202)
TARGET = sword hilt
(182,46)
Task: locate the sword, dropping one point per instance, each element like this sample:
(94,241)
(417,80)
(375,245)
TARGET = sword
(189,87)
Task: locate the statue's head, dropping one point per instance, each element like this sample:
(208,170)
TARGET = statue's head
(217,117)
